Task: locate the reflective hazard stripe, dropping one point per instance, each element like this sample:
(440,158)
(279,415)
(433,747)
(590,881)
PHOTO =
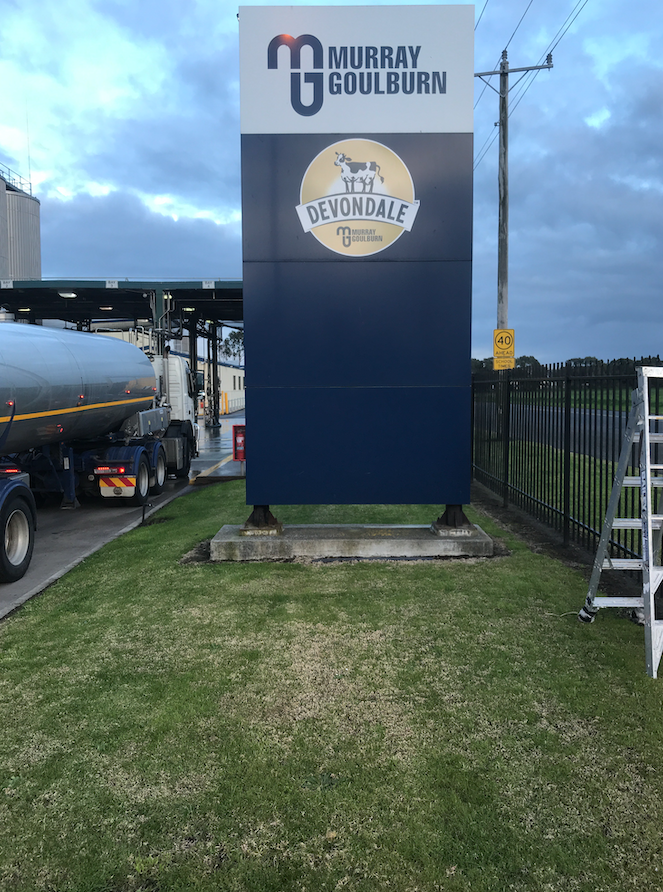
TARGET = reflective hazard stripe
(117,481)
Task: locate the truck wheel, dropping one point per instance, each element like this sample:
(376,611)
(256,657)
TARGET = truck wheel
(18,538)
(142,482)
(160,472)
(186,467)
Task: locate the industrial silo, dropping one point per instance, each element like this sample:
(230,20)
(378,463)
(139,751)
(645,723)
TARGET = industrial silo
(4,232)
(24,236)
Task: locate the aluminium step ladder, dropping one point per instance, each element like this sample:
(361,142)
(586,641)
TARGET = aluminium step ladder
(642,426)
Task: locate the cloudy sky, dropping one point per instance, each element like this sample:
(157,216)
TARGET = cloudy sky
(125,116)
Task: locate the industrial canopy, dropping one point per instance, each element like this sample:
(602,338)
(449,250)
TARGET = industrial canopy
(174,305)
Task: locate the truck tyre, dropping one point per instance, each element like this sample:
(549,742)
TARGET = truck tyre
(160,471)
(186,465)
(142,482)
(17,538)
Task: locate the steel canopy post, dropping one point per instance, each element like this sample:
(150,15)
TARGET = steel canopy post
(215,377)
(193,343)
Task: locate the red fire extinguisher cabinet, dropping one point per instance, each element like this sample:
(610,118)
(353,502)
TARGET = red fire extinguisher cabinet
(239,442)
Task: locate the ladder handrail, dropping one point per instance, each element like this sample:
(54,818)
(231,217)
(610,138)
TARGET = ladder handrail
(638,424)
(632,429)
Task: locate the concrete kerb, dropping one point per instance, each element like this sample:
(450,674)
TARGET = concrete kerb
(350,541)
(43,584)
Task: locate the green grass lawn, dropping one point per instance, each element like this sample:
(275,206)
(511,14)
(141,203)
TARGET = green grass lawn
(435,725)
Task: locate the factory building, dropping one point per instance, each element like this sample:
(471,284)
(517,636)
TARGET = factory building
(20,238)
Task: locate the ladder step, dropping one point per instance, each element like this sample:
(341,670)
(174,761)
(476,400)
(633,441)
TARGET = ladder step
(635,523)
(622,564)
(635,481)
(618,602)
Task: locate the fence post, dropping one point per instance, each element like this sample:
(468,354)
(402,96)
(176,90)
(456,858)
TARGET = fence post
(567,460)
(506,425)
(472,399)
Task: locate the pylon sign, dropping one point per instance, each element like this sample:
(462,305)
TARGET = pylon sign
(357,238)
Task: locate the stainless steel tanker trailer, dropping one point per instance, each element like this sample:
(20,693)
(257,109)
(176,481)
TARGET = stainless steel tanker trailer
(85,414)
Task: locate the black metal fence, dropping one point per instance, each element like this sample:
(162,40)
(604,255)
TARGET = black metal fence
(548,439)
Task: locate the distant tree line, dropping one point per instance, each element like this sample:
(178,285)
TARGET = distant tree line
(622,366)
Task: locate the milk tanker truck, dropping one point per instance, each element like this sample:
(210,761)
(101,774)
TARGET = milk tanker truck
(85,414)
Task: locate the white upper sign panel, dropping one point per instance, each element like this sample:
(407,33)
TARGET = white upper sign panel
(348,69)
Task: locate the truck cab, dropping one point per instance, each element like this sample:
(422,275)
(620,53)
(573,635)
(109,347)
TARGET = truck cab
(177,390)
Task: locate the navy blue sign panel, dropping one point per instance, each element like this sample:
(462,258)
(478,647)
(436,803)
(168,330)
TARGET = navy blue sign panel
(357,236)
(323,324)
(440,166)
(358,445)
(361,374)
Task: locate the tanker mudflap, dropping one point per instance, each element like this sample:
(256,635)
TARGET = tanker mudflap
(122,487)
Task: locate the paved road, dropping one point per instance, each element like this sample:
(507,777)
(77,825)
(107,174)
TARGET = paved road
(65,538)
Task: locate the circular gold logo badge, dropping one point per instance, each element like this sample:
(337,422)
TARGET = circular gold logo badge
(357,197)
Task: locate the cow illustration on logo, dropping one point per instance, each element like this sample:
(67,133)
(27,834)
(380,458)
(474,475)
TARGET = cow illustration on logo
(357,172)
(357,208)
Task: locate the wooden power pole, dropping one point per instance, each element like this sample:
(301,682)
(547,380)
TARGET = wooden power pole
(503,181)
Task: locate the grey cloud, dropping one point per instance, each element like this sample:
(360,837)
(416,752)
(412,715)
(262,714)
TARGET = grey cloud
(585,250)
(191,151)
(117,236)
(585,227)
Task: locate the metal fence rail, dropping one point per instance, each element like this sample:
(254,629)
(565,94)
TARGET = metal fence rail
(548,438)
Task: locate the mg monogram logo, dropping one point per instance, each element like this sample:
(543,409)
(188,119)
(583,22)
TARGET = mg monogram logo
(295,45)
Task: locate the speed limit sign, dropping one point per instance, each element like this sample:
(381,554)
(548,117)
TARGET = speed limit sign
(503,342)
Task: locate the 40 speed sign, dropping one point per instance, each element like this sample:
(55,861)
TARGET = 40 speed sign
(503,342)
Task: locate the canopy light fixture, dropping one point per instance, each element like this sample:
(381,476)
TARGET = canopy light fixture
(105,308)
(67,295)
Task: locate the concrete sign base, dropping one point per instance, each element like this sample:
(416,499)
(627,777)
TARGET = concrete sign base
(358,541)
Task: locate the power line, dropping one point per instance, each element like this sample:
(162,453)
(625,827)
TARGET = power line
(522,94)
(485,86)
(492,138)
(519,24)
(508,42)
(489,139)
(528,80)
(481,15)
(570,19)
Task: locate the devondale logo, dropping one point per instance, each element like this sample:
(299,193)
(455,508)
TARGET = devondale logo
(377,70)
(357,197)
